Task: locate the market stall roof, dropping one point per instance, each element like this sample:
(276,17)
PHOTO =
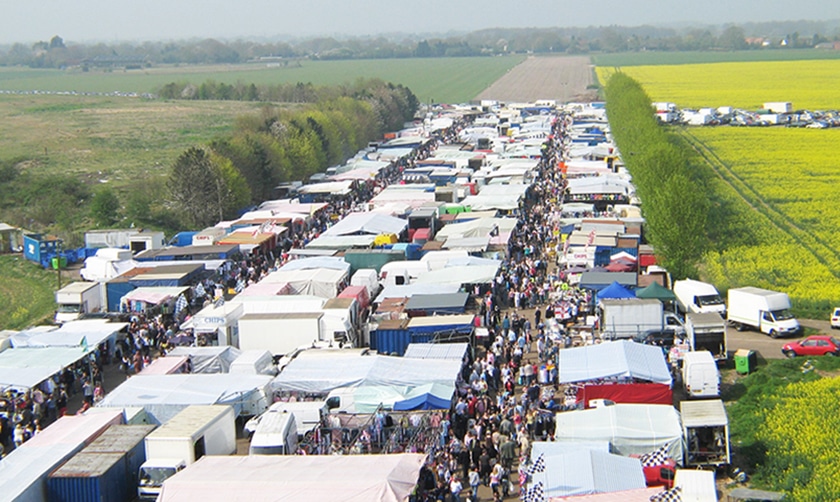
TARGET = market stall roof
(450,302)
(635,495)
(208,360)
(281,207)
(312,478)
(430,396)
(325,371)
(630,428)
(316,262)
(409,290)
(367,223)
(479,227)
(470,244)
(163,396)
(323,282)
(163,365)
(491,202)
(618,359)
(614,291)
(588,472)
(330,187)
(655,291)
(90,332)
(455,351)
(600,280)
(266,289)
(25,368)
(480,274)
(340,242)
(153,295)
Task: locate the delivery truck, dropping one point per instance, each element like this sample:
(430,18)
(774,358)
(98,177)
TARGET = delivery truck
(696,296)
(194,432)
(706,332)
(763,310)
(77,299)
(706,433)
(629,318)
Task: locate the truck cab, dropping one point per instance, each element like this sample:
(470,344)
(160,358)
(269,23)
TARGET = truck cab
(154,472)
(778,321)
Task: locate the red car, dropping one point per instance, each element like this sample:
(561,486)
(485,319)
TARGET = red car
(816,345)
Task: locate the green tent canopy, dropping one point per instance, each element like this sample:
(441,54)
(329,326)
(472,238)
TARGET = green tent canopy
(655,291)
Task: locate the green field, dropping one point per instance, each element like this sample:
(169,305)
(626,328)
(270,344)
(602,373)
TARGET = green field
(27,292)
(697,57)
(118,140)
(444,80)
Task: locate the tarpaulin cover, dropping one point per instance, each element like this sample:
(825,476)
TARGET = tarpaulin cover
(642,393)
(71,334)
(409,290)
(164,366)
(313,478)
(367,223)
(618,359)
(432,396)
(153,295)
(208,359)
(455,351)
(163,396)
(480,274)
(630,428)
(481,227)
(323,372)
(587,472)
(636,495)
(321,282)
(27,367)
(316,262)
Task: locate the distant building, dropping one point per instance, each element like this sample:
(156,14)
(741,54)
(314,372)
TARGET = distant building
(831,46)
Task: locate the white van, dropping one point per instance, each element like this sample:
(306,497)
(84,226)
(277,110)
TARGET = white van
(700,374)
(276,434)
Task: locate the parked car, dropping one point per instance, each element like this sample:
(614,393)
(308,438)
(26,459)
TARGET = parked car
(816,345)
(835,318)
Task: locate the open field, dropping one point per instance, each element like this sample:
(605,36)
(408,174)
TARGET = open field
(698,57)
(563,79)
(444,80)
(27,292)
(122,140)
(808,84)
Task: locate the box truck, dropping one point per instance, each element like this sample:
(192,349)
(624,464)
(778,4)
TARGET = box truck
(700,374)
(706,433)
(77,299)
(628,318)
(761,309)
(696,296)
(194,432)
(706,332)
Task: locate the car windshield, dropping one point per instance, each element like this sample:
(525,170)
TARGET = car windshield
(782,315)
(707,300)
(69,308)
(156,475)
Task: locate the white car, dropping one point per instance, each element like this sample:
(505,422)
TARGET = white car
(835,319)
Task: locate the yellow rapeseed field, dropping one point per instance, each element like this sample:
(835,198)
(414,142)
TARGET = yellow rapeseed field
(807,84)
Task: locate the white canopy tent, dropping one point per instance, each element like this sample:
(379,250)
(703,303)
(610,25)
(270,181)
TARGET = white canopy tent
(323,282)
(630,428)
(318,371)
(478,274)
(163,396)
(587,472)
(209,360)
(618,359)
(367,223)
(89,332)
(24,368)
(313,478)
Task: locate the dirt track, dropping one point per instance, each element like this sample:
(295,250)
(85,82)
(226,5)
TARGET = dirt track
(561,78)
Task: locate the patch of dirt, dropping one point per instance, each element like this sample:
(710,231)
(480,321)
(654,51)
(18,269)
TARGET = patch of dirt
(561,78)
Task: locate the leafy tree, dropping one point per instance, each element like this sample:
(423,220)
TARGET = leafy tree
(105,207)
(57,42)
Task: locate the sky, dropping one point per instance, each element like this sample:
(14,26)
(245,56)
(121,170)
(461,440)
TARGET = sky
(28,21)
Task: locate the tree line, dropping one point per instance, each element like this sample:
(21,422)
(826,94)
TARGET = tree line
(216,181)
(675,201)
(55,53)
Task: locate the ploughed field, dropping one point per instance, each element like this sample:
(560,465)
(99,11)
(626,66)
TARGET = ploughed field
(561,78)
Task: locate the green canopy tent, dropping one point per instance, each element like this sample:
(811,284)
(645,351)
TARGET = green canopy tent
(655,291)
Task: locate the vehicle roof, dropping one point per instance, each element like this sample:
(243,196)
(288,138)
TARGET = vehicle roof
(271,430)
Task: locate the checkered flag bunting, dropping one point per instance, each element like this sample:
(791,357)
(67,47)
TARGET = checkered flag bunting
(537,465)
(534,493)
(672,495)
(199,290)
(180,304)
(654,458)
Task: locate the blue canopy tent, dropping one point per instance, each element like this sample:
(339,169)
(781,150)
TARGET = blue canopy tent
(430,396)
(615,291)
